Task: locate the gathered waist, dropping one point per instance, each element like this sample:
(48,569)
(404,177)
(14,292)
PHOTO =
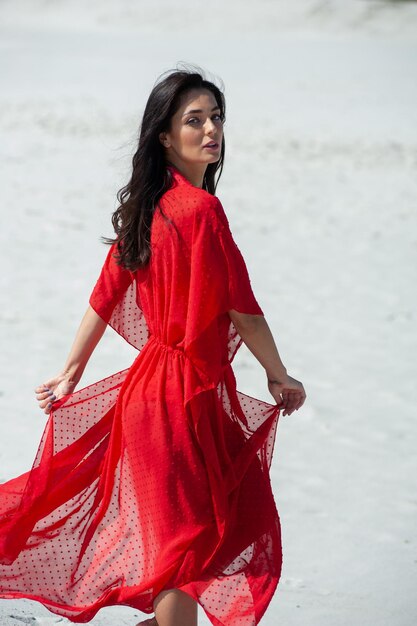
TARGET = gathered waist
(200,372)
(179,351)
(154,339)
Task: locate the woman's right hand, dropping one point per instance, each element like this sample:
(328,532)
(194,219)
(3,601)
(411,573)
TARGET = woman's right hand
(54,389)
(289,394)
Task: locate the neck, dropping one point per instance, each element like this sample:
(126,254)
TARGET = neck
(193,172)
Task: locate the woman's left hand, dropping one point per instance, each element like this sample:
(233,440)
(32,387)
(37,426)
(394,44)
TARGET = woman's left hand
(288,393)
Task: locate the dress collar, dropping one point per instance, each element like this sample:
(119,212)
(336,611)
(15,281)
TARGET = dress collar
(179,178)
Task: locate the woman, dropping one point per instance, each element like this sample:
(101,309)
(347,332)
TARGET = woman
(151,488)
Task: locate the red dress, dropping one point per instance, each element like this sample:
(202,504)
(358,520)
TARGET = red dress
(156,477)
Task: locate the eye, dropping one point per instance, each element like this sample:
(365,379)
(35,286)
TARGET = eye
(193,120)
(218,117)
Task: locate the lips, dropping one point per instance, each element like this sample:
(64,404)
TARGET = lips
(211,144)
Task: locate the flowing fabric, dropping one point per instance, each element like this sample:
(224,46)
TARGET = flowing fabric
(156,477)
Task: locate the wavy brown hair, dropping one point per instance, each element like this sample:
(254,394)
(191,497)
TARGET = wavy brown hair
(150,177)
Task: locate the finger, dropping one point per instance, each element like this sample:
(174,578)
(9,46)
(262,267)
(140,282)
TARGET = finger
(44,401)
(44,394)
(289,396)
(301,398)
(284,405)
(48,408)
(291,403)
(284,394)
(296,402)
(289,409)
(41,388)
(47,401)
(300,402)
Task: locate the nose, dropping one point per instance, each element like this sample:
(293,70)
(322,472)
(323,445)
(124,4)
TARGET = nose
(210,126)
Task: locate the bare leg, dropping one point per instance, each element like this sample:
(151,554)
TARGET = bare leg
(174,607)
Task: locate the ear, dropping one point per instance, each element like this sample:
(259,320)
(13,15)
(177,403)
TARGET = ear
(164,140)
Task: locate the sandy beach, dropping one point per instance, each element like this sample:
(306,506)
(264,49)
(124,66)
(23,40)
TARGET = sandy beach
(320,188)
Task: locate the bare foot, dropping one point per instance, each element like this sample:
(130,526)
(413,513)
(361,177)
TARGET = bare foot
(148,622)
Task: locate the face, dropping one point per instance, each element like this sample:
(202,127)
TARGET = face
(196,132)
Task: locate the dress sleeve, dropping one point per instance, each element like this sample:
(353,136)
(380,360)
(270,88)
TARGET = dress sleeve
(219,282)
(110,287)
(115,299)
(223,270)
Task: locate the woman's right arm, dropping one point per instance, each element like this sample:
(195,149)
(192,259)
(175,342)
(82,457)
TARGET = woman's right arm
(88,335)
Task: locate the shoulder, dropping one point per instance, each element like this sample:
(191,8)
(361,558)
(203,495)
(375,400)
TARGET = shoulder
(190,203)
(187,197)
(206,204)
(211,214)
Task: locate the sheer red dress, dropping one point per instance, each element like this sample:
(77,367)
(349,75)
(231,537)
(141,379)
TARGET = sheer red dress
(156,477)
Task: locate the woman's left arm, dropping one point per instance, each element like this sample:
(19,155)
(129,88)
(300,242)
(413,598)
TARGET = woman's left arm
(287,392)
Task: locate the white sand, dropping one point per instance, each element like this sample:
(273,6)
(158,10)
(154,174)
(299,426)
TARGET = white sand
(320,187)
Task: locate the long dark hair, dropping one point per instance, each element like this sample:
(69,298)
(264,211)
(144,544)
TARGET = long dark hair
(150,177)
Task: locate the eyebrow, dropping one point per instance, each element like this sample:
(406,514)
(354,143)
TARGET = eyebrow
(199,111)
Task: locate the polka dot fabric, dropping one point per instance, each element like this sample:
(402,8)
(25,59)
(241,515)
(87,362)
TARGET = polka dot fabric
(156,477)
